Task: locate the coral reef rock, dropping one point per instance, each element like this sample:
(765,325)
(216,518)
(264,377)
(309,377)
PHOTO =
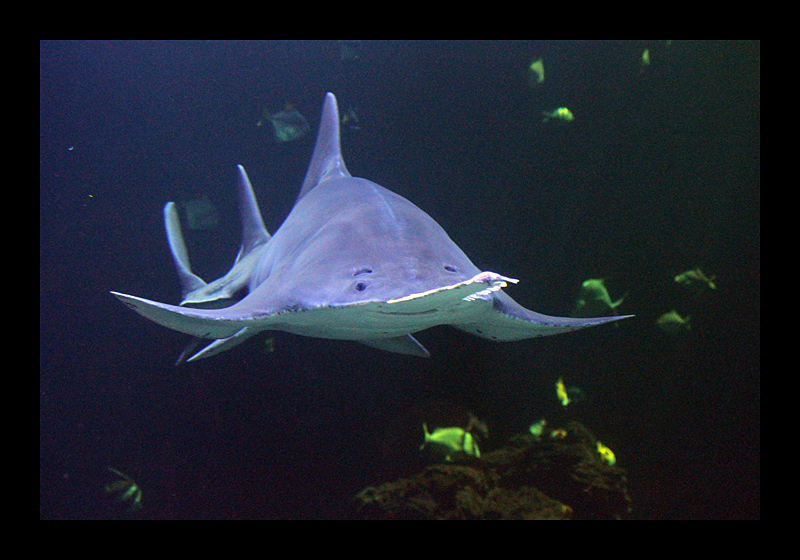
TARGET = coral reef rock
(528,478)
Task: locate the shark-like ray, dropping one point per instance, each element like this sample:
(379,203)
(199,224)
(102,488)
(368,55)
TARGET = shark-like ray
(352,261)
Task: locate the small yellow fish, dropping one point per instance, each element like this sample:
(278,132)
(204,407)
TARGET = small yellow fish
(350,120)
(645,61)
(606,454)
(559,433)
(126,488)
(536,72)
(594,300)
(453,440)
(287,125)
(695,280)
(561,392)
(673,323)
(537,429)
(561,114)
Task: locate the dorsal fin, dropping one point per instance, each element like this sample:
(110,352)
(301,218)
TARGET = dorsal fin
(326,162)
(254,233)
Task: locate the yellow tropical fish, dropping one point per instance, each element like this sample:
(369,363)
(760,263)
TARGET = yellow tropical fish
(126,488)
(287,125)
(645,60)
(606,454)
(673,323)
(536,72)
(561,114)
(561,392)
(452,440)
(695,280)
(594,300)
(537,428)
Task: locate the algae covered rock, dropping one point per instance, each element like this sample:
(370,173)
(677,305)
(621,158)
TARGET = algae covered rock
(528,478)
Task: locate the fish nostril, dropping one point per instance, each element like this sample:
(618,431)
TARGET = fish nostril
(365,270)
(449,268)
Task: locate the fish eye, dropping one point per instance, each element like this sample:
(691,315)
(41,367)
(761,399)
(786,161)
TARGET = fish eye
(449,268)
(361,286)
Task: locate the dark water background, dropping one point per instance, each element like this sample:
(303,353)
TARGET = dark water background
(660,172)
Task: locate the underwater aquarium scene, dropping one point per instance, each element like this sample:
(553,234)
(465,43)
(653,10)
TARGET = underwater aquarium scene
(395,280)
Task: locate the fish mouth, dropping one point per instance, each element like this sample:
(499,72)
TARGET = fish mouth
(407,313)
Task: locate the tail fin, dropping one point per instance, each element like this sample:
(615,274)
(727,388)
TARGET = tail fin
(254,239)
(189,281)
(616,304)
(427,435)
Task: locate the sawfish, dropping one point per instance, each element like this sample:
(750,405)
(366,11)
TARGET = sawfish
(352,261)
